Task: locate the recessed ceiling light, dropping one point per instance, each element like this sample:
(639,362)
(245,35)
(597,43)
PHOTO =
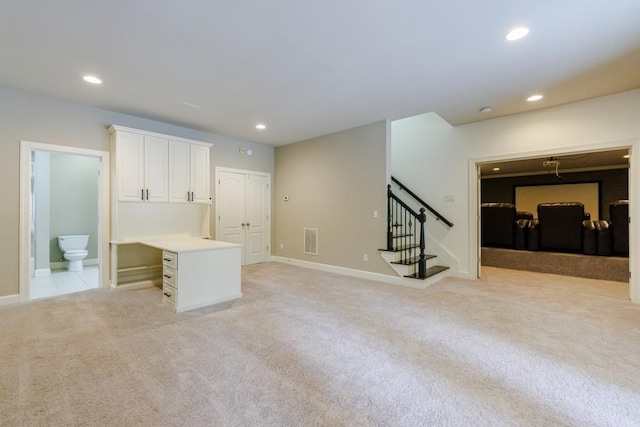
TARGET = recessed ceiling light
(92,79)
(517,33)
(496,169)
(485,110)
(534,98)
(261,126)
(626,156)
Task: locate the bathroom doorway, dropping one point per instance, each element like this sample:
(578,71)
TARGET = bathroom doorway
(63,191)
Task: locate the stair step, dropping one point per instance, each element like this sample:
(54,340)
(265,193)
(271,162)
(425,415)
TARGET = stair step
(404,247)
(413,260)
(431,271)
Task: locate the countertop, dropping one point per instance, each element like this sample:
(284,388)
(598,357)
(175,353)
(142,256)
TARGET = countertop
(182,243)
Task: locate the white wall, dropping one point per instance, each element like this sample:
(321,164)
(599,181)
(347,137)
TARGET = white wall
(434,158)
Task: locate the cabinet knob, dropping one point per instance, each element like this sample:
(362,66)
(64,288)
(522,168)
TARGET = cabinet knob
(243,224)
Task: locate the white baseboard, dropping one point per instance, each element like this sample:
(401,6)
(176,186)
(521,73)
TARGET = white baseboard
(9,299)
(392,280)
(64,264)
(42,272)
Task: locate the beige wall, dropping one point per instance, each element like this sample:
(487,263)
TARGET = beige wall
(334,184)
(39,119)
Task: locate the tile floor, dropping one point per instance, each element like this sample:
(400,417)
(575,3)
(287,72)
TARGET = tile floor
(64,282)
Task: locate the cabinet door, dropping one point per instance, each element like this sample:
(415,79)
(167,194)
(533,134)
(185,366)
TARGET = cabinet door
(178,171)
(130,160)
(199,174)
(156,157)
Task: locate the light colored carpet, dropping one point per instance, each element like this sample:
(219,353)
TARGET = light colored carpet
(305,347)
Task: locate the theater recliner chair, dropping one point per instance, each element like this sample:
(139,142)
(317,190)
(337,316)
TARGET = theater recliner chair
(498,223)
(619,218)
(560,226)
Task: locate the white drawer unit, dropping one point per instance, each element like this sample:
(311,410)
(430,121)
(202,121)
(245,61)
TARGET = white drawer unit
(170,259)
(169,276)
(169,294)
(198,272)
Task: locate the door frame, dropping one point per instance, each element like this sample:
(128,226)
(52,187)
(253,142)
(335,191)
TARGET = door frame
(28,147)
(632,145)
(218,170)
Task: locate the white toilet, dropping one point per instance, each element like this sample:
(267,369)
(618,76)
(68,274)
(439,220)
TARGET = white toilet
(74,250)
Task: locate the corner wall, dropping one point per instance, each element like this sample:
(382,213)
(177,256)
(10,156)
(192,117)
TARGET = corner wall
(35,118)
(334,183)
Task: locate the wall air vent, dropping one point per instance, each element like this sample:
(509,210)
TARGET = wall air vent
(311,241)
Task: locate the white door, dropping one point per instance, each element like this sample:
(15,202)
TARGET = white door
(257,215)
(243,206)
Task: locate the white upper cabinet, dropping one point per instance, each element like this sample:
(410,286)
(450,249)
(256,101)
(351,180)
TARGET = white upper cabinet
(142,164)
(200,174)
(189,180)
(156,163)
(129,149)
(153,167)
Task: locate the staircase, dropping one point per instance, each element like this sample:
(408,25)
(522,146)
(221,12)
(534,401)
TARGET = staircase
(405,249)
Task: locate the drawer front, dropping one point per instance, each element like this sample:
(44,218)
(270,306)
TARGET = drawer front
(170,259)
(169,276)
(169,294)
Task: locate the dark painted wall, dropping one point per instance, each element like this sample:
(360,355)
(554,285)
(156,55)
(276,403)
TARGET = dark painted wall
(614,185)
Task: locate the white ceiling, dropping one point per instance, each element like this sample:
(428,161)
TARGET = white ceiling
(306,68)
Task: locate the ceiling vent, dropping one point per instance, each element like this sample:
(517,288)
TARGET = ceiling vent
(311,241)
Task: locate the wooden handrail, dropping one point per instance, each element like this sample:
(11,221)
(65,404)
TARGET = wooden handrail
(422,202)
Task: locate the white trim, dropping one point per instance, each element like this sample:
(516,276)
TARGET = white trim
(42,272)
(113,128)
(377,277)
(269,207)
(634,197)
(26,147)
(9,299)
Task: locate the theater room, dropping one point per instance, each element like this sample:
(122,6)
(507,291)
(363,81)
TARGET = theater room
(564,214)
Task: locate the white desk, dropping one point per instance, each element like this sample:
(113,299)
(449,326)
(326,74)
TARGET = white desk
(197,272)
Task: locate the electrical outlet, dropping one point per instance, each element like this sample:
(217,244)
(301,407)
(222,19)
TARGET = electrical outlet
(281,245)
(375,214)
(366,257)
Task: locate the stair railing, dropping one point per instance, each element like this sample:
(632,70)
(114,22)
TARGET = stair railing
(422,202)
(403,233)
